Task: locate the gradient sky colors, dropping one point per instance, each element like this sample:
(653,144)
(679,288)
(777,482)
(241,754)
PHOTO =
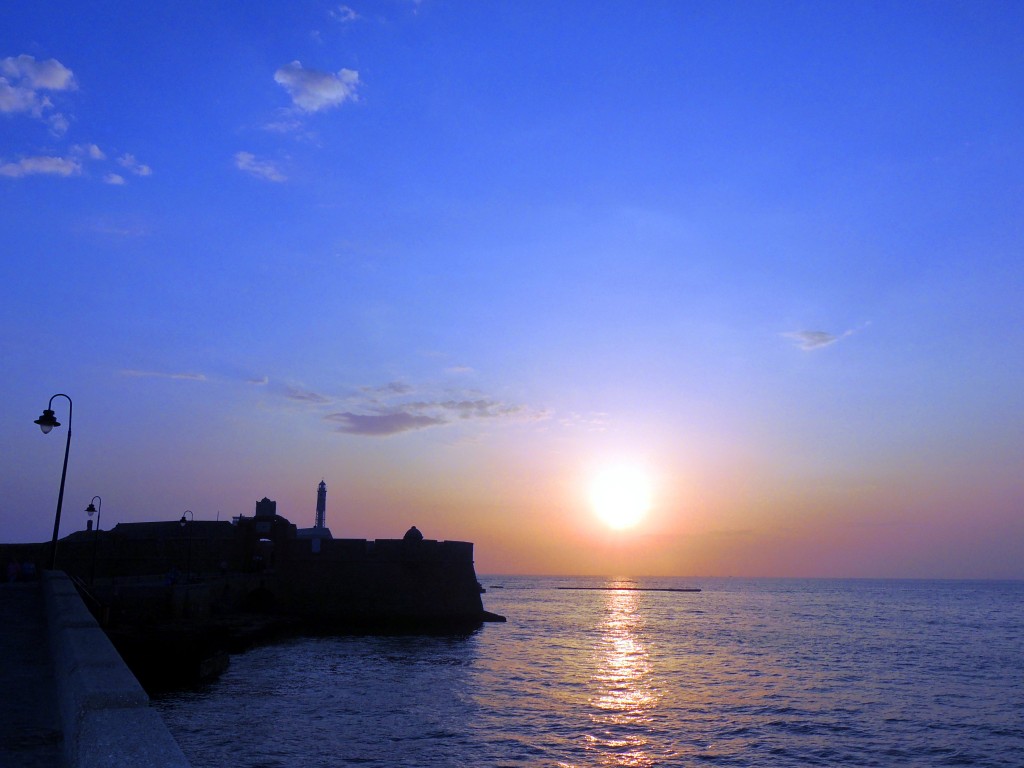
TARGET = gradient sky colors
(452,257)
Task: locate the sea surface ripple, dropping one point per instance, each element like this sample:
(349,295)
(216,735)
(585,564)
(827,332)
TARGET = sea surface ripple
(744,673)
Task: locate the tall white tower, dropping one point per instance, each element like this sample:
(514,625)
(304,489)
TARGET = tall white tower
(321,505)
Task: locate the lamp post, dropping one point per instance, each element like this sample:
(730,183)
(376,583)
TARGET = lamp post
(47,422)
(188,563)
(95,533)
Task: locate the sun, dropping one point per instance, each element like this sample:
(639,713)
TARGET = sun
(620,496)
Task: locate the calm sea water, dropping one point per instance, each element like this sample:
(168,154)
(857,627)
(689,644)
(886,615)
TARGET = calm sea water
(744,673)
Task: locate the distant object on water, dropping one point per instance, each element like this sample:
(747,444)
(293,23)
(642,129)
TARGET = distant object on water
(635,589)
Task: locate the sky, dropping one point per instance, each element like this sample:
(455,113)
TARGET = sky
(458,259)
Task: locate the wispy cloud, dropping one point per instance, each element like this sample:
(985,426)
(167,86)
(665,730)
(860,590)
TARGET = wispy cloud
(29,166)
(395,407)
(263,169)
(381,424)
(133,166)
(812,340)
(391,388)
(24,87)
(387,410)
(306,396)
(91,151)
(469,408)
(344,14)
(594,422)
(186,376)
(286,125)
(118,229)
(312,90)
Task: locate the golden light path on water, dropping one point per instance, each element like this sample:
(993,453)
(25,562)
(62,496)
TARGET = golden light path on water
(624,695)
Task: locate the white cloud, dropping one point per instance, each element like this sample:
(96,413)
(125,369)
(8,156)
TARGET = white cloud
(48,75)
(312,91)
(26,87)
(23,83)
(128,161)
(264,169)
(344,14)
(29,166)
(90,150)
(58,124)
(14,99)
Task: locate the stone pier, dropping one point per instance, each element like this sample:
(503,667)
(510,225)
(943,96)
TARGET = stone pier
(69,701)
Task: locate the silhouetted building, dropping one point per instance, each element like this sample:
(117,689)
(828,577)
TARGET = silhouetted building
(149,572)
(266,508)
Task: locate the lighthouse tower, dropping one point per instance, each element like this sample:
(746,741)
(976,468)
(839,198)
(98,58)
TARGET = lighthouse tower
(321,506)
(319,530)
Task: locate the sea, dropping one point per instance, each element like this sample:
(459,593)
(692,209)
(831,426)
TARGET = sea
(765,672)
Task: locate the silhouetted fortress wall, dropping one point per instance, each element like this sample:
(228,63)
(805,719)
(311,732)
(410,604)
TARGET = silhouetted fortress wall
(143,572)
(386,579)
(105,715)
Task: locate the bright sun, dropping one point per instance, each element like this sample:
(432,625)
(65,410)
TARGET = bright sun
(620,496)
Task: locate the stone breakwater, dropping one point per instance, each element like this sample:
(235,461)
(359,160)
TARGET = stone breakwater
(104,712)
(176,599)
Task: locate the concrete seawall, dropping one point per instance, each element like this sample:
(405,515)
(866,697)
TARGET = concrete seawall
(105,714)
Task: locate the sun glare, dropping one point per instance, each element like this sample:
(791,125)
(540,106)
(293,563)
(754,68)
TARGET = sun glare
(620,496)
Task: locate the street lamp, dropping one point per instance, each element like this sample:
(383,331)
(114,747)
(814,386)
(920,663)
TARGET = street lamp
(183,523)
(47,422)
(95,533)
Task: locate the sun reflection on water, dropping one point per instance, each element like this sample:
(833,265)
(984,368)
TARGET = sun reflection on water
(624,696)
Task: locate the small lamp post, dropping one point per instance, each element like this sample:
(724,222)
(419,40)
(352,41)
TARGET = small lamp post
(188,562)
(47,422)
(95,533)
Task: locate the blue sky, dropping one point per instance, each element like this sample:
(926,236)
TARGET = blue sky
(452,257)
